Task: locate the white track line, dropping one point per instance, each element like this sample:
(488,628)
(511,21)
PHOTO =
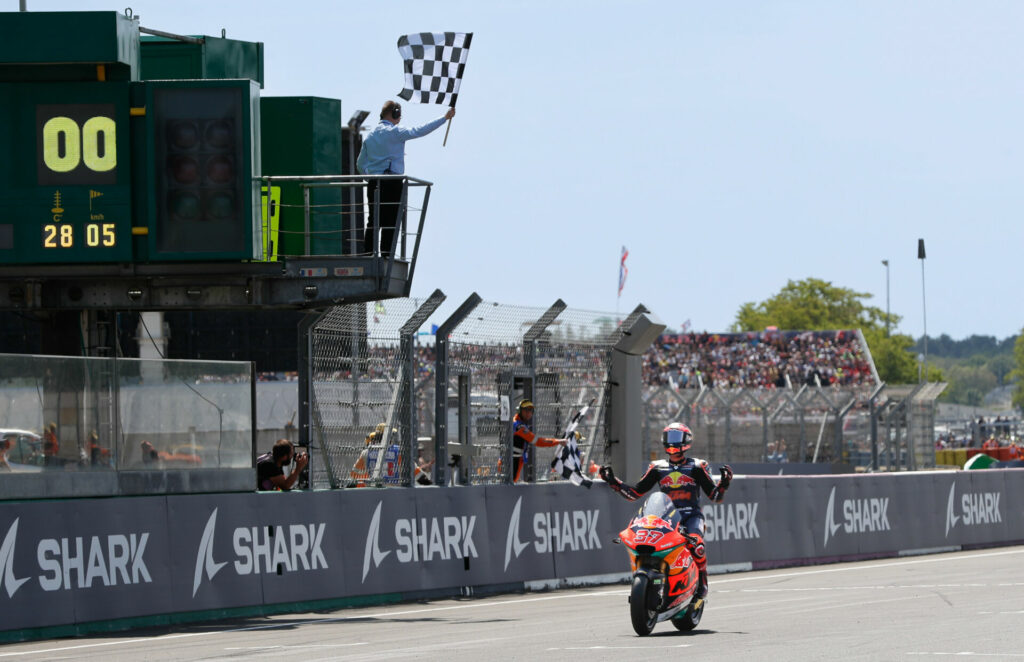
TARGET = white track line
(848,568)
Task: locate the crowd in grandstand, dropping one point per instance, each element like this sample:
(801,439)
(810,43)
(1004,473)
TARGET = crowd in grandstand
(688,360)
(763,359)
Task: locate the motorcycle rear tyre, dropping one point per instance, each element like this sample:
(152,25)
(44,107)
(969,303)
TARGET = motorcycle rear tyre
(690,619)
(643,618)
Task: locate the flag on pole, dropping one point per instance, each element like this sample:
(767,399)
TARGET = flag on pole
(623,271)
(434,64)
(567,462)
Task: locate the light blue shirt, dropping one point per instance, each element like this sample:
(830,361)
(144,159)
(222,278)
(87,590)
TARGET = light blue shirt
(384,147)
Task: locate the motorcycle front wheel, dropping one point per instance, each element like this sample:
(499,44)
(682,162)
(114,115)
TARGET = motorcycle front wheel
(643,618)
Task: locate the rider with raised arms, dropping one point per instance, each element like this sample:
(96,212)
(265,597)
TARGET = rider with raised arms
(679,478)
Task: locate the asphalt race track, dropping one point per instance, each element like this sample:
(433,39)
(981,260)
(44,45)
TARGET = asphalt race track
(965,604)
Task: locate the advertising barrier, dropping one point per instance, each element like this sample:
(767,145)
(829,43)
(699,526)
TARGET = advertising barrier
(69,562)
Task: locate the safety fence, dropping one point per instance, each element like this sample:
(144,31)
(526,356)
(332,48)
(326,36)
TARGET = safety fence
(869,427)
(202,556)
(72,414)
(455,427)
(363,369)
(443,412)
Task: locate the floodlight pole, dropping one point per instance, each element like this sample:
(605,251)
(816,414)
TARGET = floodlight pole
(886,263)
(924,306)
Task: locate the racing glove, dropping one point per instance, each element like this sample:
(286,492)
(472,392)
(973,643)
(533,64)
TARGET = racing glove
(725,477)
(607,475)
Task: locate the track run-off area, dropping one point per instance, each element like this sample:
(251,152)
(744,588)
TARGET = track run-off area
(962,604)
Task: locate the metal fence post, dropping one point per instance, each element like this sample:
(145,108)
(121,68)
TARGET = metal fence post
(441,387)
(529,341)
(840,416)
(874,413)
(407,390)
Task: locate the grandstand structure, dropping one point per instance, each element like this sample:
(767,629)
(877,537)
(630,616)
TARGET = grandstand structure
(786,396)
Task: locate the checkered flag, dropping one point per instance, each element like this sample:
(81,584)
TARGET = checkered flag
(568,464)
(567,460)
(434,63)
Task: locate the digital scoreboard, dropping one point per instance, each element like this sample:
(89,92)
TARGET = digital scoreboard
(81,171)
(65,172)
(98,166)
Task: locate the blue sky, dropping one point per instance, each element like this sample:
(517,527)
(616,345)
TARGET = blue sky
(730,146)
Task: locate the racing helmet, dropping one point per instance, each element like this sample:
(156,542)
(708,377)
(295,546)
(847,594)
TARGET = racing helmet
(676,438)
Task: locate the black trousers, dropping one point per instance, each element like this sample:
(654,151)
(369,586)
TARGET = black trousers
(390,206)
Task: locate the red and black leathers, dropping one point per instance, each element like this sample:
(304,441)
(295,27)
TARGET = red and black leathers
(682,482)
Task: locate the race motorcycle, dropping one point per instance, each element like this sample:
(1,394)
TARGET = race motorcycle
(665,576)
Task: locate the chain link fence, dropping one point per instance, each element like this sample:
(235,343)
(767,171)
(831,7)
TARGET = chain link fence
(863,426)
(498,355)
(481,365)
(363,370)
(572,359)
(489,356)
(456,426)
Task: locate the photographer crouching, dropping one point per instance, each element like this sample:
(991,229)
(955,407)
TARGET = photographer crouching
(270,467)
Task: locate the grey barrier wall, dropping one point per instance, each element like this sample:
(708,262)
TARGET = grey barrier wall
(79,561)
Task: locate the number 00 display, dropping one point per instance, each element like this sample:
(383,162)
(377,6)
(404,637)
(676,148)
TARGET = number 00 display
(77,144)
(66,145)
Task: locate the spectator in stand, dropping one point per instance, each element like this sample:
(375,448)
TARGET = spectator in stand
(757,360)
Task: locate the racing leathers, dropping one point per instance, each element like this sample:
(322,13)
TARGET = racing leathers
(681,482)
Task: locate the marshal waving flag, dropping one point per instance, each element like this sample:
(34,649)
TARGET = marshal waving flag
(434,64)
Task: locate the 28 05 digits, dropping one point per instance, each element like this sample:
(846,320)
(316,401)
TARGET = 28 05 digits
(63,235)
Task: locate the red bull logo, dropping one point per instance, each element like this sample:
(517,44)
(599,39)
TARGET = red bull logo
(676,480)
(651,522)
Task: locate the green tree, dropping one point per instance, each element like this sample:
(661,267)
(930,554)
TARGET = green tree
(969,384)
(894,357)
(816,304)
(812,304)
(1001,366)
(1018,373)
